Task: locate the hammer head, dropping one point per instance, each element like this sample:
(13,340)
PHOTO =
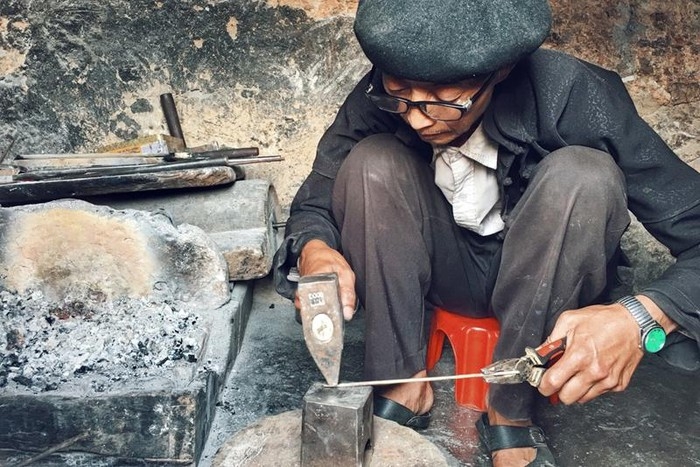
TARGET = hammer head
(322,320)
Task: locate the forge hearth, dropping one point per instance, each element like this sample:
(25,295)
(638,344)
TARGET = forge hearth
(118,412)
(117,330)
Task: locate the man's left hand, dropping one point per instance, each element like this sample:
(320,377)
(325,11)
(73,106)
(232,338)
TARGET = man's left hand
(601,355)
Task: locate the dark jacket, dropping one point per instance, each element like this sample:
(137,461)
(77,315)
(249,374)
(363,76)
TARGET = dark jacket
(549,100)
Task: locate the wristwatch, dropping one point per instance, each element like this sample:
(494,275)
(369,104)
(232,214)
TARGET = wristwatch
(653,336)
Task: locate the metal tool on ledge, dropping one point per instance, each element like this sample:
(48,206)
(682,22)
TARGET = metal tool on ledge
(156,162)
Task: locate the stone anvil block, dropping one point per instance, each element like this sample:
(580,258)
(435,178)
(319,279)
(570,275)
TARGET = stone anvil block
(71,250)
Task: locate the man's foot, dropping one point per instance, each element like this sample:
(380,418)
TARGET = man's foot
(417,397)
(513,457)
(407,404)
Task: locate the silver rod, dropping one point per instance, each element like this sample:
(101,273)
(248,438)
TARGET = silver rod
(93,155)
(382,382)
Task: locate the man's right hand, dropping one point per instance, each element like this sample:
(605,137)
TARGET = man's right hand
(318,258)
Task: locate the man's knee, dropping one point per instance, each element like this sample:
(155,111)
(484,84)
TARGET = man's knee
(582,171)
(381,157)
(579,165)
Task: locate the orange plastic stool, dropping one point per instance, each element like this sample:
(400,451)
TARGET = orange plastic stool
(473,341)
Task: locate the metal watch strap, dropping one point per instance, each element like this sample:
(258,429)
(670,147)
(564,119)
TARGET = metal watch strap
(637,310)
(640,315)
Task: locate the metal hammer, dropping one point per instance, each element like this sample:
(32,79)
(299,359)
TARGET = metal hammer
(322,320)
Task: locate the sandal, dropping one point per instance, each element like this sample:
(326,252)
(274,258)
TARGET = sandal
(390,410)
(496,437)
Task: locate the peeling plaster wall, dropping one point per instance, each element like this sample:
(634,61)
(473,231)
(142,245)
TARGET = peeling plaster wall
(75,75)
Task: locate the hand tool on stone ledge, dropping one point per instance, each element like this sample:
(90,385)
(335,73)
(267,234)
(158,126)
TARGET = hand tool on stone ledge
(108,159)
(172,119)
(322,321)
(219,158)
(20,184)
(529,368)
(131,158)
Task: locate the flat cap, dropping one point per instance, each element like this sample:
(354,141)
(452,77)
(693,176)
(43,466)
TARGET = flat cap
(446,41)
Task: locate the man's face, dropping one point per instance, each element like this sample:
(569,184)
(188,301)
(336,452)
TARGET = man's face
(435,131)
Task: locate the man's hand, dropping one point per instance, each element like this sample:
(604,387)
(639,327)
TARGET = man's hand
(602,351)
(318,258)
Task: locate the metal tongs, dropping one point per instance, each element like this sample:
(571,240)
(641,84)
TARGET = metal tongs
(528,368)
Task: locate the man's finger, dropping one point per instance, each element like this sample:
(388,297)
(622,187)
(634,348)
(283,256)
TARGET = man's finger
(348,299)
(554,379)
(561,371)
(593,392)
(575,389)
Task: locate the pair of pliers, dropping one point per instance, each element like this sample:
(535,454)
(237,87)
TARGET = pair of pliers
(530,367)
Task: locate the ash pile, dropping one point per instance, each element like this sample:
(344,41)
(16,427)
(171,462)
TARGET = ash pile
(45,345)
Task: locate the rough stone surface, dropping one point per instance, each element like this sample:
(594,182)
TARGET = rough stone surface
(72,251)
(239,218)
(647,257)
(276,440)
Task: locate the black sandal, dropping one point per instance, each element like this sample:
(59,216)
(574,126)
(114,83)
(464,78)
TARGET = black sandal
(390,410)
(496,437)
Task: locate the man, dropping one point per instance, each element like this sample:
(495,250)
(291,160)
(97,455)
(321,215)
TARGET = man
(472,170)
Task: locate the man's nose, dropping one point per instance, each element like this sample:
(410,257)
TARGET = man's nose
(417,119)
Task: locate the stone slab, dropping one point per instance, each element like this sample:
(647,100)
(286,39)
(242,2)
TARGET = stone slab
(162,420)
(238,217)
(276,440)
(71,250)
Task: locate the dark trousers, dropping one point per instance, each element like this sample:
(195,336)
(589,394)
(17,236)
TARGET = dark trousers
(408,254)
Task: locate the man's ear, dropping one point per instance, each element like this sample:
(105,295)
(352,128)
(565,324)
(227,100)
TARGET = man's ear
(503,73)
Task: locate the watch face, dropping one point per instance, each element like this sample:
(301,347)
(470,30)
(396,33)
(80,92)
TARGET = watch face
(654,340)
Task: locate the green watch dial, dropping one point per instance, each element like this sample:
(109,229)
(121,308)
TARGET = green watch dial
(654,340)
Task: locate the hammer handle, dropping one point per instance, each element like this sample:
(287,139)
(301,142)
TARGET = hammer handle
(171,117)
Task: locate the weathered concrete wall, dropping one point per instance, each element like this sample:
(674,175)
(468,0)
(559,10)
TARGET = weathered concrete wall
(75,75)
(78,74)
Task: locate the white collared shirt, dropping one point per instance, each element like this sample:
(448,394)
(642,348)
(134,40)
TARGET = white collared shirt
(467,177)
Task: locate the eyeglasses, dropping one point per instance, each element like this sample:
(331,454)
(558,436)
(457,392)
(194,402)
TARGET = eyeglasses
(436,110)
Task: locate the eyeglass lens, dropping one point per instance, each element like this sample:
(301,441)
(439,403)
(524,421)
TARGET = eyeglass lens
(436,111)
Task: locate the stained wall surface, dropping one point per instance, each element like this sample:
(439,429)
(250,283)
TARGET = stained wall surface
(75,75)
